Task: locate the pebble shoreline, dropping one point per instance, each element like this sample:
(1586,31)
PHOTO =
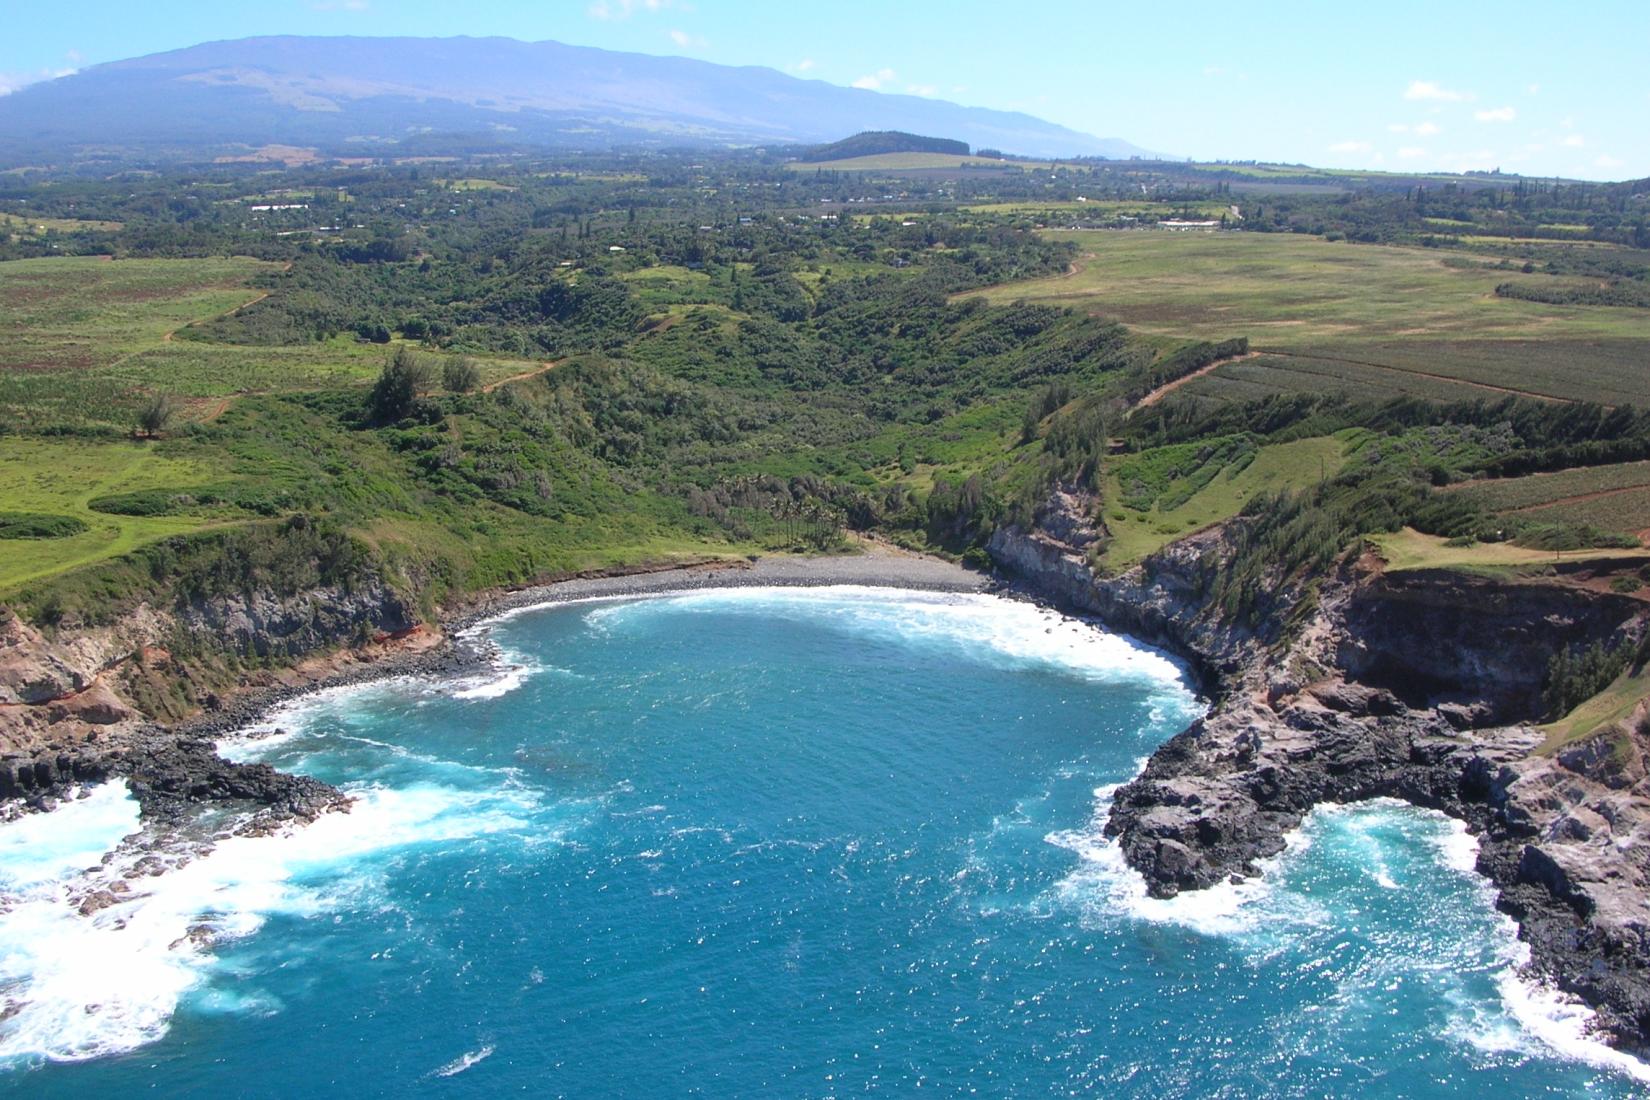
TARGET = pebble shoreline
(459,654)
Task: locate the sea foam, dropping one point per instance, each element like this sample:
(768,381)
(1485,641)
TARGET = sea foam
(970,625)
(1106,888)
(1264,912)
(465,1061)
(79,986)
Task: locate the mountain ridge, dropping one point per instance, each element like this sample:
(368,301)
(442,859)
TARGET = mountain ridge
(348,93)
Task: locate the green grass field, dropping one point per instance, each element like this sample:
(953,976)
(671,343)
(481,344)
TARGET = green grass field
(1625,510)
(1367,319)
(33,225)
(89,337)
(1410,549)
(474,184)
(1613,704)
(1105,208)
(1296,465)
(668,285)
(84,312)
(59,477)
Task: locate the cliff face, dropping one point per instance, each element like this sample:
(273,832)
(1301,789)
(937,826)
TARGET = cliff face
(1161,603)
(78,706)
(1432,637)
(271,625)
(1415,686)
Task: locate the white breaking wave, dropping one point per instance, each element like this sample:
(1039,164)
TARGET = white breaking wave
(41,848)
(1532,1018)
(507,678)
(464,1061)
(1105,886)
(971,624)
(510,668)
(79,986)
(289,721)
(1545,1019)
(1561,1022)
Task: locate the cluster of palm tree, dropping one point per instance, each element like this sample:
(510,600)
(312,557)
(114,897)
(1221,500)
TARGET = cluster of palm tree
(752,490)
(808,520)
(801,519)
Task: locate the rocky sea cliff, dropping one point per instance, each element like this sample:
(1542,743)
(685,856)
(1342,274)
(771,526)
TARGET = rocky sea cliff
(1421,686)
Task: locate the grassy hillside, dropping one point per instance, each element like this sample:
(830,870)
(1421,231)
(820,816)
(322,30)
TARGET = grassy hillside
(1194,496)
(60,478)
(877,142)
(507,371)
(1615,703)
(1367,320)
(94,336)
(905,162)
(847,391)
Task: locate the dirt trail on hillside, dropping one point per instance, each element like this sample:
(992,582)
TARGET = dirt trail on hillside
(167,338)
(1427,374)
(523,376)
(1169,387)
(1072,268)
(1579,498)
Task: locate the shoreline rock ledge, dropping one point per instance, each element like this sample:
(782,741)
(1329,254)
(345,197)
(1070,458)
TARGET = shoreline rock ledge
(172,777)
(1421,686)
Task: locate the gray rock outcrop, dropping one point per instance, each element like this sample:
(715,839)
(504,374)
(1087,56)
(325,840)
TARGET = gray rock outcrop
(1419,686)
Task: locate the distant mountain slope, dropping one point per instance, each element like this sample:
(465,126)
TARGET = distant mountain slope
(874,142)
(355,94)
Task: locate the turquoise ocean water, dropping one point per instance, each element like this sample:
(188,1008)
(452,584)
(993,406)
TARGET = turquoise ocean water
(763,843)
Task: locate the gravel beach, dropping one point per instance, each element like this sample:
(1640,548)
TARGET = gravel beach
(877,566)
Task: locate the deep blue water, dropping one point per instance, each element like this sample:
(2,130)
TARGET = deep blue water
(764,843)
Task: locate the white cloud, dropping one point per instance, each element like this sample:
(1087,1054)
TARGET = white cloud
(1605,160)
(1426,89)
(1496,114)
(687,41)
(1428,129)
(1534,89)
(1480,160)
(11,82)
(804,66)
(1573,141)
(1397,128)
(1410,152)
(872,82)
(921,89)
(1213,70)
(624,9)
(1350,147)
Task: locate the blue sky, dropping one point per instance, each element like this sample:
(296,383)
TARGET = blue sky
(1537,88)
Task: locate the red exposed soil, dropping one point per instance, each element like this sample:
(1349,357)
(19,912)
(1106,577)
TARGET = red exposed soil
(523,376)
